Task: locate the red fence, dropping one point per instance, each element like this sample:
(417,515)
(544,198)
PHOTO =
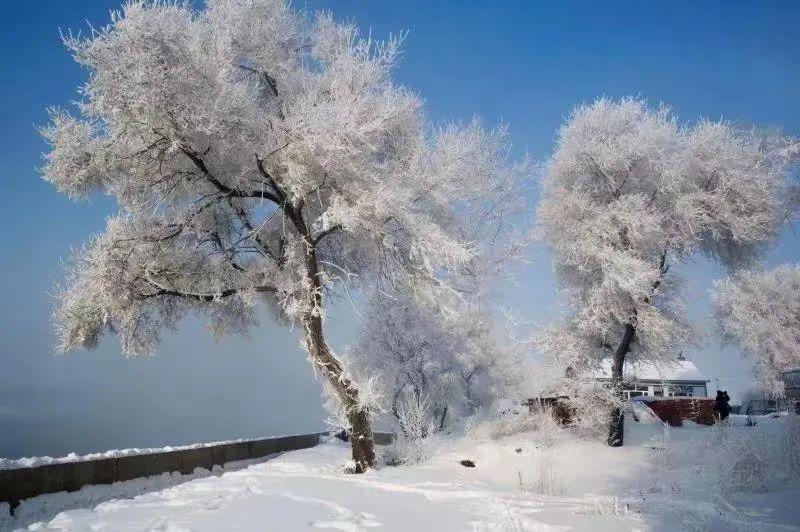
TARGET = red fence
(674,410)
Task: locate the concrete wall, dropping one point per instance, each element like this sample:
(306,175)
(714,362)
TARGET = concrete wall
(24,483)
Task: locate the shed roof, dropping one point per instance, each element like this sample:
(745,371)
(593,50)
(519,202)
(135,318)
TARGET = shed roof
(680,370)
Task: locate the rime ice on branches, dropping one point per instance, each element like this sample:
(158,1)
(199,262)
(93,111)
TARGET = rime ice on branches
(257,154)
(630,192)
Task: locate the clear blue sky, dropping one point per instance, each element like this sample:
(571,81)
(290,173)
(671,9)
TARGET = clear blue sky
(524,62)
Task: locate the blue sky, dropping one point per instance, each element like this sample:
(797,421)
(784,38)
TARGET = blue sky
(526,63)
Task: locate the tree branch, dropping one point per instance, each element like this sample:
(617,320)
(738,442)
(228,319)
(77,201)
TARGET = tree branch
(220,186)
(663,268)
(325,232)
(280,194)
(265,78)
(200,297)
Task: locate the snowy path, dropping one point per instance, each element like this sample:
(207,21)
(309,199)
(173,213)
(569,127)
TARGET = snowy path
(304,489)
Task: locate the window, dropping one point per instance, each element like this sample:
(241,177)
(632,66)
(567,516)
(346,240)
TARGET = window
(681,391)
(700,391)
(634,391)
(791,379)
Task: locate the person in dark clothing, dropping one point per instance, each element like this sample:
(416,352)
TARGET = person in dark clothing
(726,409)
(722,406)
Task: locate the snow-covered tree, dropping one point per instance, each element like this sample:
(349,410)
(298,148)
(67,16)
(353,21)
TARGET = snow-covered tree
(257,154)
(432,350)
(628,193)
(760,312)
(441,364)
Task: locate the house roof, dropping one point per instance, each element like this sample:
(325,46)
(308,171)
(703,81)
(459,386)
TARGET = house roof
(676,370)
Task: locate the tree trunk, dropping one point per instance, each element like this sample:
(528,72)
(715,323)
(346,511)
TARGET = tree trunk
(360,435)
(616,426)
(617,422)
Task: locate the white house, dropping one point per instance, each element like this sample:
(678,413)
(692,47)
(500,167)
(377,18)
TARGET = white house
(678,378)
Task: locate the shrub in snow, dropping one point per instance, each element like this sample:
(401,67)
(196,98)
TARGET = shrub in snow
(414,418)
(738,462)
(547,431)
(541,477)
(744,471)
(496,427)
(568,370)
(592,403)
(417,438)
(412,451)
(540,427)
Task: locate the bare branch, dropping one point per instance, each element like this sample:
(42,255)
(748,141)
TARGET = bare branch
(325,232)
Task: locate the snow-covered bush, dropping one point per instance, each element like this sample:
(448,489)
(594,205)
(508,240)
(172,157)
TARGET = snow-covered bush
(547,430)
(567,369)
(542,427)
(417,429)
(739,462)
(414,418)
(592,403)
(542,477)
(418,437)
(746,472)
(727,458)
(496,427)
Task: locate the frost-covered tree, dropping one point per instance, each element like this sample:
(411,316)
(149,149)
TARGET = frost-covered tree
(628,193)
(431,350)
(760,312)
(257,154)
(433,365)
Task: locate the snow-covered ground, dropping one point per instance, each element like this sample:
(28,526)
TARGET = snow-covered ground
(663,479)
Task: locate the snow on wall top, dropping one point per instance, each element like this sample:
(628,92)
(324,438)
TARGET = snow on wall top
(676,370)
(35,461)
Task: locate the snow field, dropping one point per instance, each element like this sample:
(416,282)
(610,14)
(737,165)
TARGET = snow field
(663,479)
